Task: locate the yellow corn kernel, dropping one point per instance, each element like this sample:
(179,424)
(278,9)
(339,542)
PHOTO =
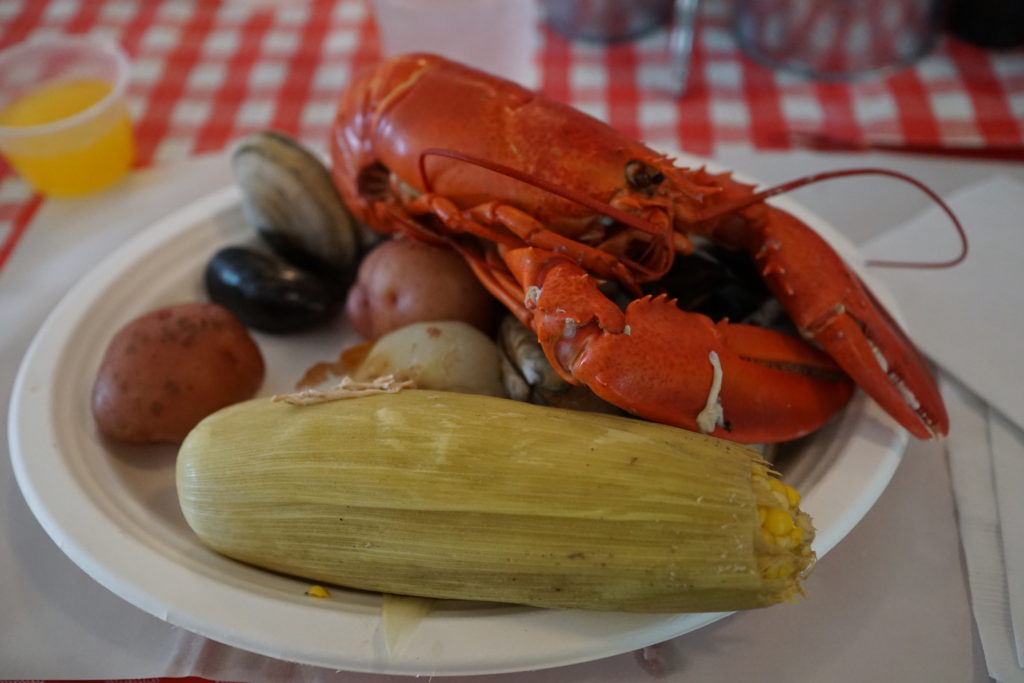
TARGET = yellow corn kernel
(778,492)
(318,592)
(797,535)
(792,495)
(779,522)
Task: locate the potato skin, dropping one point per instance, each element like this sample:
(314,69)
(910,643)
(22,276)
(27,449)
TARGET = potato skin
(168,369)
(447,355)
(403,281)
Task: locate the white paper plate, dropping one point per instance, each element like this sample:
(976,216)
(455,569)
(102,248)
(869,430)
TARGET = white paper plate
(114,510)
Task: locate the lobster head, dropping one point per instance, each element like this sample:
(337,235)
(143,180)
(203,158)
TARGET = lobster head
(394,115)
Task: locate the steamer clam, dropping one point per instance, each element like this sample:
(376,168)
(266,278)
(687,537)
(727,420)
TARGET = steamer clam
(529,377)
(289,197)
(310,245)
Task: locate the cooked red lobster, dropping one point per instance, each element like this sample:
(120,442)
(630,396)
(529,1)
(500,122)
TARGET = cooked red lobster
(546,203)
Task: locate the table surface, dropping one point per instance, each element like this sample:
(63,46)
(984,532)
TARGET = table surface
(890,602)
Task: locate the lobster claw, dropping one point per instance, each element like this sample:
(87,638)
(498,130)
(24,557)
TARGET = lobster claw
(738,382)
(676,359)
(875,351)
(831,305)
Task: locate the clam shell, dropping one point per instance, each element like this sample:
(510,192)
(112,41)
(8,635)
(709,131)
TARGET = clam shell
(290,198)
(528,376)
(525,355)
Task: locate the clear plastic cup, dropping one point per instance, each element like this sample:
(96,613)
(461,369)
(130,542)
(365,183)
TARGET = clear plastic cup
(497,36)
(836,40)
(64,124)
(607,21)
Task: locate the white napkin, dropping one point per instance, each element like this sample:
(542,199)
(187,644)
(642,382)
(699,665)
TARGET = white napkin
(968,320)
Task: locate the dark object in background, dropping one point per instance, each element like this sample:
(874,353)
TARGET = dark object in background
(715,281)
(993,24)
(607,21)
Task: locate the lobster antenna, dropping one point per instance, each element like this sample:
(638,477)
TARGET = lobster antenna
(829,175)
(564,192)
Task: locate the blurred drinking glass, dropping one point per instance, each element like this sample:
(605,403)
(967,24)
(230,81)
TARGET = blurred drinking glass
(838,39)
(607,21)
(497,36)
(64,125)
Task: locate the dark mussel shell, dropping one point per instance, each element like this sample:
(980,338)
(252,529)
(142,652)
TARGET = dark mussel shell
(266,293)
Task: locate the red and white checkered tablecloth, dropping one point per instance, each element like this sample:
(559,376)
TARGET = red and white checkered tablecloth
(207,72)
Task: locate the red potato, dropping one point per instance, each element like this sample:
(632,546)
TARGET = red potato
(403,281)
(168,369)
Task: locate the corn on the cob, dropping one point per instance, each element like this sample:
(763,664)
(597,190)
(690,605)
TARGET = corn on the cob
(456,496)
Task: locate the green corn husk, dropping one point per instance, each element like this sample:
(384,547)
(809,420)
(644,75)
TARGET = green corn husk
(455,496)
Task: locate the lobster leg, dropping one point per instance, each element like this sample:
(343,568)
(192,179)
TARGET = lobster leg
(738,382)
(487,220)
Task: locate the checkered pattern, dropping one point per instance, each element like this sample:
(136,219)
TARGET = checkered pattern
(207,72)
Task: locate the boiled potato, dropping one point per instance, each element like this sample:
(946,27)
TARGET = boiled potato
(403,281)
(168,369)
(446,356)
